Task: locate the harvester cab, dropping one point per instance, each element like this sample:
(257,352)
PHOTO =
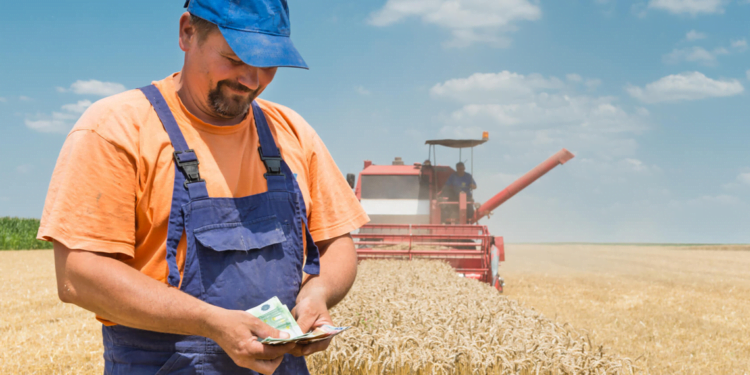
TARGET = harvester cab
(415,213)
(452,190)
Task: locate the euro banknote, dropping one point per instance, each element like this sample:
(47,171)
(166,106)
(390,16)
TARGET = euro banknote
(277,315)
(318,334)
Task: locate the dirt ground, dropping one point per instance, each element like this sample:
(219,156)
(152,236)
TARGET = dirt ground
(679,310)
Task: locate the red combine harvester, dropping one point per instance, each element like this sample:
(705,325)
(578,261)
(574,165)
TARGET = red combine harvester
(414,214)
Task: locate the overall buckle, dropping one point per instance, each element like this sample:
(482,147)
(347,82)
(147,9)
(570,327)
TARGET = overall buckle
(272,163)
(189,166)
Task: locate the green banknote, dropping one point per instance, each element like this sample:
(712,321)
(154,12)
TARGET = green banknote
(277,315)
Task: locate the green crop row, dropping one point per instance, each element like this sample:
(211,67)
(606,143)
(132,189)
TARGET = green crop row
(20,234)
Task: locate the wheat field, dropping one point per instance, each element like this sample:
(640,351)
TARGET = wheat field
(420,317)
(668,310)
(674,309)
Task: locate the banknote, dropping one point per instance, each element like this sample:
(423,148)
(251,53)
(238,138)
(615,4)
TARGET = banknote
(277,315)
(318,334)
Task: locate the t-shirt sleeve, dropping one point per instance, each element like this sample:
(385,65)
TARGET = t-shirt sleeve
(90,203)
(335,209)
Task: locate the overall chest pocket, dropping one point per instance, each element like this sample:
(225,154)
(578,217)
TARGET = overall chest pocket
(255,234)
(239,260)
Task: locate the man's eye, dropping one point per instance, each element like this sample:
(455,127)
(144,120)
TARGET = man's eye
(235,62)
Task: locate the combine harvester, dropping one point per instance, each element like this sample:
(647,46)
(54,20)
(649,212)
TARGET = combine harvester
(413,217)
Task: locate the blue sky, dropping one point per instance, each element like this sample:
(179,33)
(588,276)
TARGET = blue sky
(651,96)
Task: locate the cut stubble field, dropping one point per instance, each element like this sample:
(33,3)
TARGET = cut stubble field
(674,310)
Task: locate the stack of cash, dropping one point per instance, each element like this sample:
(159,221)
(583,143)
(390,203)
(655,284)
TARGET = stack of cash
(277,315)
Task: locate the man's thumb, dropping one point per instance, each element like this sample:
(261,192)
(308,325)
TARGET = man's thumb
(265,331)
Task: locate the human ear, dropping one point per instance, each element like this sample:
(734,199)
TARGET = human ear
(187,32)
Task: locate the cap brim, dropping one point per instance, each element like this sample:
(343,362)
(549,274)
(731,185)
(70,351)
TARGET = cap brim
(263,50)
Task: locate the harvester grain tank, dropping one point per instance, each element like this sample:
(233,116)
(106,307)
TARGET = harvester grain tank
(414,214)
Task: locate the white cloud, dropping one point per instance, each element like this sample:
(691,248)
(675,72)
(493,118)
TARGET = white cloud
(694,54)
(504,86)
(714,200)
(592,84)
(3,100)
(470,21)
(692,7)
(94,87)
(544,112)
(740,44)
(573,77)
(58,122)
(24,98)
(638,166)
(744,178)
(361,90)
(48,126)
(79,107)
(693,35)
(685,86)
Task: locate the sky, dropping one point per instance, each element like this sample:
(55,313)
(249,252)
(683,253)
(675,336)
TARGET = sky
(651,96)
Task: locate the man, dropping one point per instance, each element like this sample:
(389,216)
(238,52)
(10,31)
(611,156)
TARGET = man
(460,181)
(176,207)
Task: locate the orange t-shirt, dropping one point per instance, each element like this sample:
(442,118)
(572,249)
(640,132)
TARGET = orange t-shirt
(111,190)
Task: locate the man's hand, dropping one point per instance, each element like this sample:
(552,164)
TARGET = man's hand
(311,312)
(338,268)
(239,334)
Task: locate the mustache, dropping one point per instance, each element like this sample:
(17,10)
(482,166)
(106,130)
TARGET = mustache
(233,85)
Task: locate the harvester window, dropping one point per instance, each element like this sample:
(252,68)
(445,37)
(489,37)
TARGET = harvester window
(392,187)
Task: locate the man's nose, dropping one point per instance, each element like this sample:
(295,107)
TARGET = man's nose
(249,77)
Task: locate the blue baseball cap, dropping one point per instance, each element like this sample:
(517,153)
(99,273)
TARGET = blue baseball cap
(256,30)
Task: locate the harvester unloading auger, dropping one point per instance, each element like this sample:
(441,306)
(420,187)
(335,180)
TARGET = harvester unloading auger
(413,217)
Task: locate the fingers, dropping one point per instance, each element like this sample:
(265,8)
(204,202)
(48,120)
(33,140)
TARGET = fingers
(306,321)
(266,367)
(268,352)
(305,350)
(311,313)
(263,330)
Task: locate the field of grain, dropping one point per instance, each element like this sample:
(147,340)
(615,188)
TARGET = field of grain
(420,317)
(677,309)
(672,310)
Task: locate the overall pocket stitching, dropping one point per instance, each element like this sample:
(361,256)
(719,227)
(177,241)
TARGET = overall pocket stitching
(234,224)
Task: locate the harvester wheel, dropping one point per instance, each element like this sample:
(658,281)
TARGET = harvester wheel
(499,283)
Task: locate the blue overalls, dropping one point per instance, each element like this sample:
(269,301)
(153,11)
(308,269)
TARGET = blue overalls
(240,253)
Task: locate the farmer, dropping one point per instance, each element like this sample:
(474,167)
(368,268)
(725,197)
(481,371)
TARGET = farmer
(460,181)
(176,207)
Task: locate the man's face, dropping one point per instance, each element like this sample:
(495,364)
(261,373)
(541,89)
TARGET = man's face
(226,85)
(460,169)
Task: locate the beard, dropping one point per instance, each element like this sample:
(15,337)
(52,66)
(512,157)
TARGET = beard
(230,106)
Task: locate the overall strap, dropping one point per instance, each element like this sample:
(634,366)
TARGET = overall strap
(276,171)
(185,158)
(187,181)
(269,153)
